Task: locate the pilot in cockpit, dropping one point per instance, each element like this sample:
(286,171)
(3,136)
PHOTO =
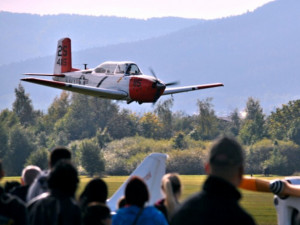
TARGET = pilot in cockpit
(133,70)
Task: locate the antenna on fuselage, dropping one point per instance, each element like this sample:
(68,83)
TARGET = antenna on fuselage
(85,66)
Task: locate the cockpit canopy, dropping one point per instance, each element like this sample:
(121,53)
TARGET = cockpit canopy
(111,68)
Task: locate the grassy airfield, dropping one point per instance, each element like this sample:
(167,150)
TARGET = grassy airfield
(259,205)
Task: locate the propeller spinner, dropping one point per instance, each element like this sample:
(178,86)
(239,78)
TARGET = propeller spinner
(160,86)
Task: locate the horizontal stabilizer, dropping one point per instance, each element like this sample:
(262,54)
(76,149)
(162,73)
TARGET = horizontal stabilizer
(45,74)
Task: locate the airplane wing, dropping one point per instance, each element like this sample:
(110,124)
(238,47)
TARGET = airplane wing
(169,91)
(82,89)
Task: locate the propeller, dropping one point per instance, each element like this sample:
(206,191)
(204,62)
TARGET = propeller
(159,85)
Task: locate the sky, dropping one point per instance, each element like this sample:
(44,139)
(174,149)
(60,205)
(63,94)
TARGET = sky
(141,9)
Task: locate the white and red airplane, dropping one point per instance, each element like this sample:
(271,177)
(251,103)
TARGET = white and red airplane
(111,80)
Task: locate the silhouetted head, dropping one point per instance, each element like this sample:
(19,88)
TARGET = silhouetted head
(226,152)
(121,202)
(96,214)
(95,191)
(175,182)
(29,173)
(136,192)
(59,153)
(226,160)
(63,178)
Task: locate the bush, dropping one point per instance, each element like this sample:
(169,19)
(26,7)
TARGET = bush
(186,162)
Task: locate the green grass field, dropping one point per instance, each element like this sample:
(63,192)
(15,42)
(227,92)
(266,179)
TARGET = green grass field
(259,205)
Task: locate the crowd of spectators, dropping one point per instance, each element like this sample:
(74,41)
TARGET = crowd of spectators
(48,197)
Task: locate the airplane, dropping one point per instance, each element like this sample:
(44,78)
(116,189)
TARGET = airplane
(111,80)
(151,170)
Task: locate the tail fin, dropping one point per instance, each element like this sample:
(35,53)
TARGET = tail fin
(151,170)
(63,60)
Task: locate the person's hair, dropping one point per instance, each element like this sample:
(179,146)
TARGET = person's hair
(63,178)
(95,213)
(175,182)
(121,202)
(226,152)
(59,153)
(95,191)
(29,173)
(136,192)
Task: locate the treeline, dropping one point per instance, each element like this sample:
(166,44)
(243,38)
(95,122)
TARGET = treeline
(105,139)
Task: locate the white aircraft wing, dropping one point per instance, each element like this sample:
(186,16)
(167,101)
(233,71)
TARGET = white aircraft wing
(169,91)
(82,89)
(151,170)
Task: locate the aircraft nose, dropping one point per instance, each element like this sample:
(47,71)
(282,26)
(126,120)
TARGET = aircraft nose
(158,84)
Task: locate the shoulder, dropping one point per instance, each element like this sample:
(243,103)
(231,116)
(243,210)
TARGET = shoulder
(11,201)
(188,210)
(13,209)
(125,215)
(154,214)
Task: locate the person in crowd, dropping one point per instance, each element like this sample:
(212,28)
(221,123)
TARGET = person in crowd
(12,209)
(171,188)
(135,212)
(9,186)
(217,203)
(97,214)
(121,202)
(40,184)
(92,203)
(57,206)
(95,191)
(29,174)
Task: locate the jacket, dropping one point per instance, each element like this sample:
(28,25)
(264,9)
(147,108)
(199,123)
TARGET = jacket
(217,203)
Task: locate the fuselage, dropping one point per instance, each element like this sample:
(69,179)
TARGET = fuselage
(122,76)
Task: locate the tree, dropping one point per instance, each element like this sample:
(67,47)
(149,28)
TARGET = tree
(22,106)
(3,140)
(57,110)
(85,115)
(123,124)
(206,123)
(92,159)
(164,113)
(235,123)
(277,163)
(38,158)
(282,124)
(102,137)
(20,147)
(253,127)
(150,125)
(182,122)
(179,142)
(294,132)
(8,118)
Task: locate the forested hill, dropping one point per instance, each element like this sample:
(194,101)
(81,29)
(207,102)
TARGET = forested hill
(256,54)
(25,36)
